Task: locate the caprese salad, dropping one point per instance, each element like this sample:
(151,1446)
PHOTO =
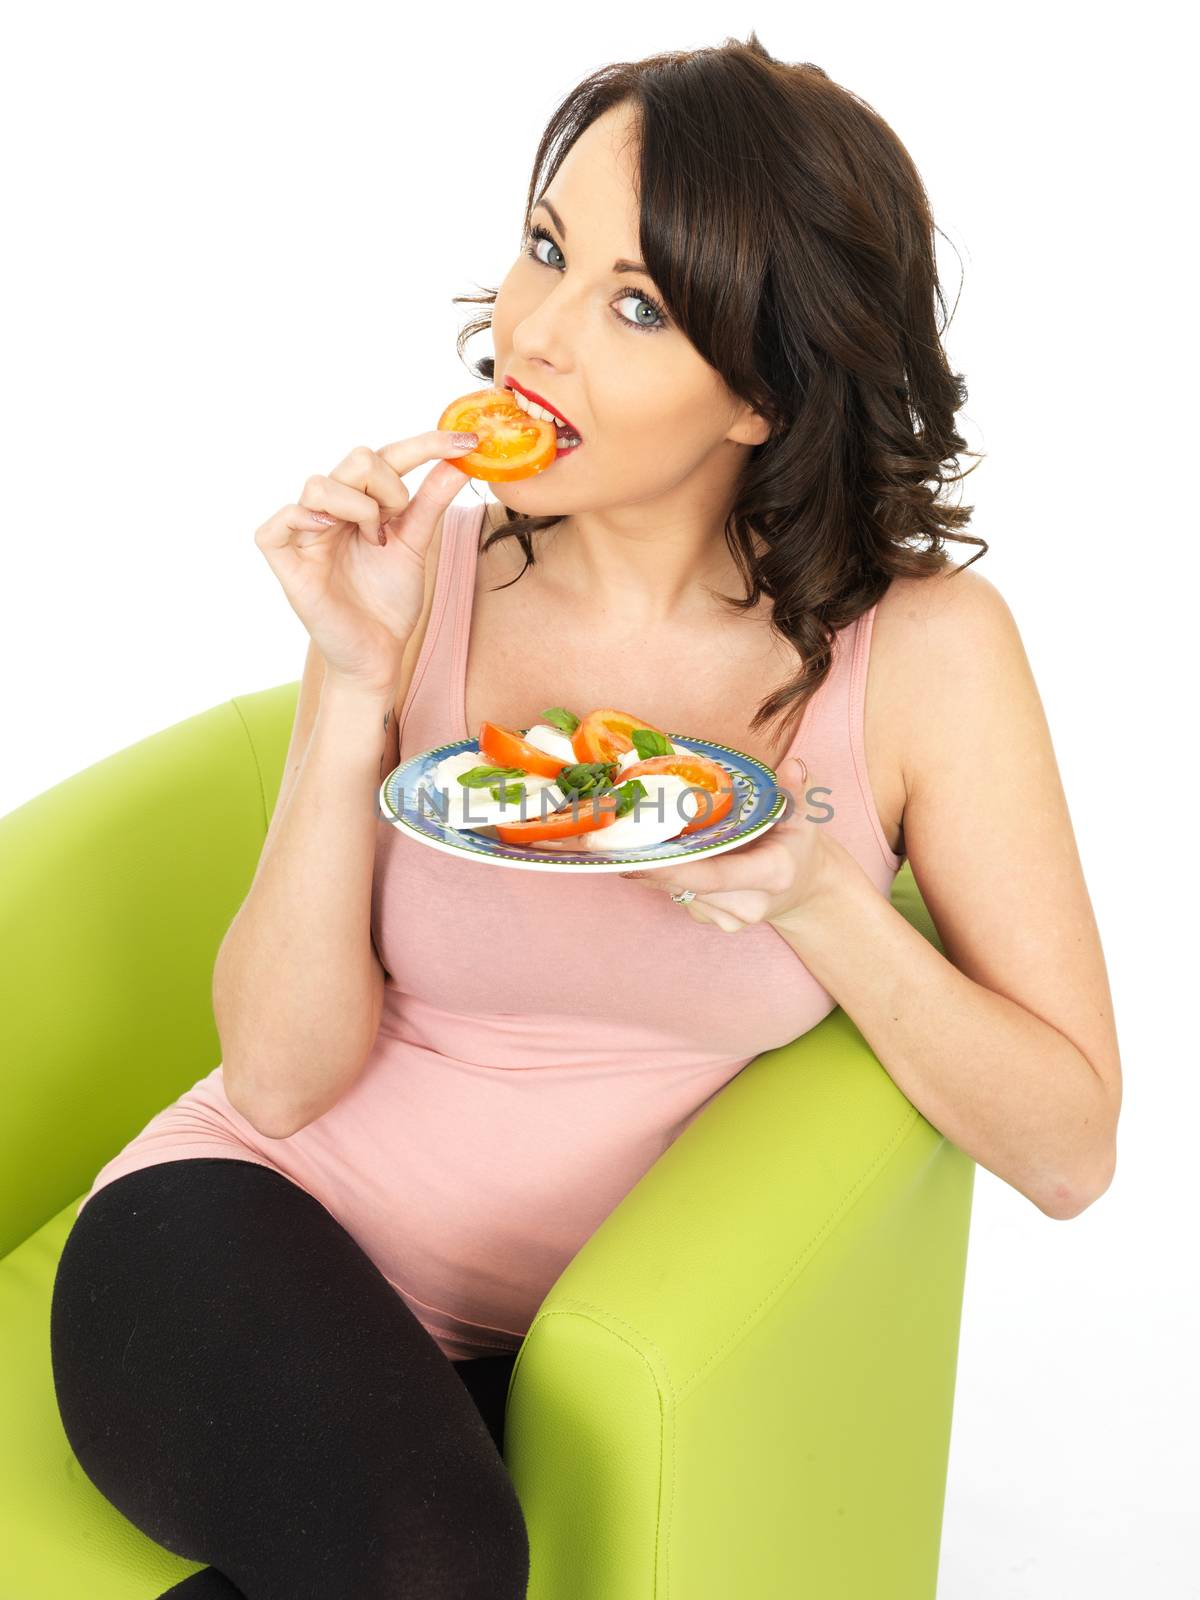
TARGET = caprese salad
(605,782)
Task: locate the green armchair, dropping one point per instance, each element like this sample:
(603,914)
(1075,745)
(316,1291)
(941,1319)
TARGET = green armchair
(741,1386)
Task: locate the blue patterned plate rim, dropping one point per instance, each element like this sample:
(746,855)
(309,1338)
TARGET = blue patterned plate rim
(758,803)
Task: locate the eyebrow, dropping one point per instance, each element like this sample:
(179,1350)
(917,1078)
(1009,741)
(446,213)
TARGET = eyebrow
(617,266)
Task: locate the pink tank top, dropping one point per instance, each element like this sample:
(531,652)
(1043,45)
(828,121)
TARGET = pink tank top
(528,1069)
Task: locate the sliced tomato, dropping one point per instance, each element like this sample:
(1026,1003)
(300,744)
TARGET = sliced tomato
(606,734)
(511,445)
(583,816)
(503,747)
(698,771)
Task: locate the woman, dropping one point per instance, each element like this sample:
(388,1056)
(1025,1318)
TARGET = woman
(727,284)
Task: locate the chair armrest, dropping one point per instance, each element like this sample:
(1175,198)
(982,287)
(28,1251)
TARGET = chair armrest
(120,884)
(762,1336)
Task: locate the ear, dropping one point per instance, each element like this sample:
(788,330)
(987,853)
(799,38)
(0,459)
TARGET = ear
(750,428)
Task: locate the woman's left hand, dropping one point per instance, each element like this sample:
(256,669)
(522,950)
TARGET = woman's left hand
(767,880)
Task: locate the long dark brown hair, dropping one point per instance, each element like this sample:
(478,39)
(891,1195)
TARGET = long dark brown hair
(791,237)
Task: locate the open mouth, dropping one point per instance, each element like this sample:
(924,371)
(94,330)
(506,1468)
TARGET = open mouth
(568,438)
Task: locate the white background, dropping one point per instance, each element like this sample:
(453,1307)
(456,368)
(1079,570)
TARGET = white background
(232,235)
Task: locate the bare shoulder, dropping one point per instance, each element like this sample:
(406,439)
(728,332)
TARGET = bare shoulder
(917,616)
(933,639)
(957,596)
(914,620)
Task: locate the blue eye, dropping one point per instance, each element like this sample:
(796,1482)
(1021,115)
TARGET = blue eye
(537,232)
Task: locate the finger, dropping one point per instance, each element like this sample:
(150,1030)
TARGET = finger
(746,907)
(701,911)
(366,470)
(439,485)
(379,472)
(792,770)
(744,868)
(799,779)
(375,476)
(743,905)
(346,503)
(414,526)
(294,527)
(405,454)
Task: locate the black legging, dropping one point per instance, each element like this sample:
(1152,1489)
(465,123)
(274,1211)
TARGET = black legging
(238,1378)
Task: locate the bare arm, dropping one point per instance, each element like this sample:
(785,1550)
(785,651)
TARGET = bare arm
(297,985)
(1007,1043)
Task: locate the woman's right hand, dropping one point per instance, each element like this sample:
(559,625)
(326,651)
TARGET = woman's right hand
(357,579)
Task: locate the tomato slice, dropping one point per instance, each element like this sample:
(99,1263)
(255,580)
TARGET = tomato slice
(698,771)
(606,734)
(505,748)
(582,816)
(511,445)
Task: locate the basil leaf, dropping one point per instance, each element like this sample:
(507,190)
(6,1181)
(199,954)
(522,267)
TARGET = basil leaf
(649,744)
(559,717)
(483,777)
(585,778)
(630,793)
(511,791)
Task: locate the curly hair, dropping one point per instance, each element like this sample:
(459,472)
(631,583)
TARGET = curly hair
(792,239)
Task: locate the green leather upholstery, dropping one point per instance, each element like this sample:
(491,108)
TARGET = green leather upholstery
(742,1385)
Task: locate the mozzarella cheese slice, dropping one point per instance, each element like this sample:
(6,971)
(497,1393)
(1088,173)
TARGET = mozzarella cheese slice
(543,736)
(469,808)
(664,811)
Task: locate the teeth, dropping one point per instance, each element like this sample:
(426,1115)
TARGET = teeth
(534,410)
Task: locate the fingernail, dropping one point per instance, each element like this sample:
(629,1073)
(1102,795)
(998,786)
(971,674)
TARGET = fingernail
(466,441)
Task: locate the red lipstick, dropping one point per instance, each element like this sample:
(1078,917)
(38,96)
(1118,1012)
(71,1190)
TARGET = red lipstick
(540,399)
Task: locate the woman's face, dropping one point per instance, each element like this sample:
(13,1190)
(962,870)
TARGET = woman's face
(658,423)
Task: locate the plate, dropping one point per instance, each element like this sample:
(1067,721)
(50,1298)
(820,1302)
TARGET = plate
(758,803)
